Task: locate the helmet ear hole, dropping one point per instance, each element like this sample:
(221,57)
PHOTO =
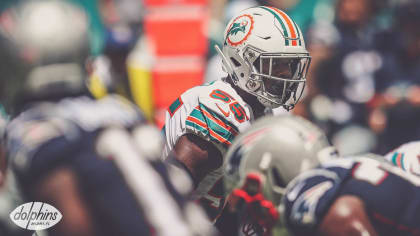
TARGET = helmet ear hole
(277,179)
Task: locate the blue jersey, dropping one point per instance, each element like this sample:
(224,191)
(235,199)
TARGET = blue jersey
(62,131)
(391,196)
(94,138)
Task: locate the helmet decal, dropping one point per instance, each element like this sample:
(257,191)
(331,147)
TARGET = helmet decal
(240,29)
(291,28)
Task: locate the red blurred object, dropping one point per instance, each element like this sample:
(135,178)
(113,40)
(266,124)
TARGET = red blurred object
(177,33)
(172,78)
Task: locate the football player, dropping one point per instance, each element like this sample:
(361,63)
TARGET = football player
(261,162)
(265,57)
(353,196)
(94,160)
(407,157)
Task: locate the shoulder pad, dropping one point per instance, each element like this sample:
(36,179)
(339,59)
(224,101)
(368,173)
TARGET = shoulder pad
(219,116)
(92,114)
(25,138)
(222,99)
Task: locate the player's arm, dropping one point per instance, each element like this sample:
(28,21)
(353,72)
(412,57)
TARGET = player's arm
(60,188)
(346,217)
(197,156)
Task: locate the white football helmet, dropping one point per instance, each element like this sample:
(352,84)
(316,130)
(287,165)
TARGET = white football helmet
(264,53)
(277,149)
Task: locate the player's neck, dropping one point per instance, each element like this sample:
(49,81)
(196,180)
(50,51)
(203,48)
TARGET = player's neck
(257,108)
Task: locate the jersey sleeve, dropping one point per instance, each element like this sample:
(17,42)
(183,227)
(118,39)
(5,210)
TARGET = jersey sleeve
(214,113)
(307,200)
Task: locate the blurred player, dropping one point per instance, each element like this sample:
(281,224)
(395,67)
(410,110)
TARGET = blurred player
(10,197)
(2,149)
(407,157)
(396,106)
(261,162)
(265,57)
(353,196)
(94,160)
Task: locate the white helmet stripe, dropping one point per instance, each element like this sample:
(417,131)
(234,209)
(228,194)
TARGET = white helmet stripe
(285,33)
(294,32)
(289,27)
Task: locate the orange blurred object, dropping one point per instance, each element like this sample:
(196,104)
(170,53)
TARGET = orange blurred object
(177,33)
(170,79)
(173,77)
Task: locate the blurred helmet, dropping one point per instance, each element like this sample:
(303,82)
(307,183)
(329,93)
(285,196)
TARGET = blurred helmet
(44,46)
(264,53)
(276,149)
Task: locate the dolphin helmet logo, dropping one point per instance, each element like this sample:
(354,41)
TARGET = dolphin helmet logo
(240,29)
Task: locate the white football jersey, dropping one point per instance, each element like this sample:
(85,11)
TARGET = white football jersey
(216,113)
(407,157)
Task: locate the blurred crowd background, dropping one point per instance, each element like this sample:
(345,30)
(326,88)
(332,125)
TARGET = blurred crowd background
(363,87)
